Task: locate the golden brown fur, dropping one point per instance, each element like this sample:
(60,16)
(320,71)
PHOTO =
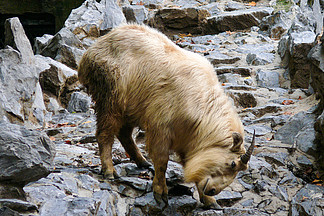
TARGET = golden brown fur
(137,76)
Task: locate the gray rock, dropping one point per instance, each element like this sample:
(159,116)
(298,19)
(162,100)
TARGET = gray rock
(135,13)
(308,201)
(79,102)
(177,205)
(276,25)
(216,57)
(259,58)
(20,98)
(305,140)
(56,80)
(295,50)
(227,197)
(41,42)
(17,39)
(260,130)
(236,20)
(267,79)
(25,155)
(304,161)
(280,192)
(278,158)
(137,183)
(299,122)
(65,47)
(113,15)
(316,56)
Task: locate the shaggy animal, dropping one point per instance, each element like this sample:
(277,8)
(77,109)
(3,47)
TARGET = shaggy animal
(138,77)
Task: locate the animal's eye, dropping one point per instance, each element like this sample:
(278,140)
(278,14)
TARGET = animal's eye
(233,164)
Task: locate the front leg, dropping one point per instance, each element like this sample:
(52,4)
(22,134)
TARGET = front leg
(159,153)
(208,201)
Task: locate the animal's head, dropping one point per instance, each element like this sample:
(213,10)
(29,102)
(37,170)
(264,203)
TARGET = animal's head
(216,168)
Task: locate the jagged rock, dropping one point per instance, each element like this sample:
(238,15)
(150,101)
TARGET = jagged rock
(79,102)
(243,71)
(18,205)
(177,205)
(233,79)
(93,19)
(187,19)
(276,25)
(308,201)
(113,15)
(17,39)
(267,79)
(316,56)
(303,161)
(26,155)
(135,13)
(260,130)
(64,47)
(259,58)
(20,96)
(236,20)
(56,80)
(243,98)
(299,129)
(226,198)
(216,58)
(262,110)
(277,158)
(41,42)
(233,6)
(295,49)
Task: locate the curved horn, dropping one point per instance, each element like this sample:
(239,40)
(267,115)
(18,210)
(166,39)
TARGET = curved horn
(246,157)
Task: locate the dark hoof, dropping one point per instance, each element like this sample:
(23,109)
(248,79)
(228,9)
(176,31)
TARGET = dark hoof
(110,176)
(161,199)
(144,164)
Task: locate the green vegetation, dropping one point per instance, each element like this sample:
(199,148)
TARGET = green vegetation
(283,5)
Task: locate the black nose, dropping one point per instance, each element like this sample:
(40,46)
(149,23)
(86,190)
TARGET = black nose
(211,192)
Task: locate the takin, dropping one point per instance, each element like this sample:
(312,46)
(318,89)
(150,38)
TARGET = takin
(138,77)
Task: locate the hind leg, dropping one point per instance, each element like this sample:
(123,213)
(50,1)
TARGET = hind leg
(125,137)
(106,129)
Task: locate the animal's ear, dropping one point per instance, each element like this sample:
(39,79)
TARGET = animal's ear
(237,141)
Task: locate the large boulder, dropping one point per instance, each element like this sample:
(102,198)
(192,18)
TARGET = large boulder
(236,20)
(26,155)
(294,49)
(186,19)
(299,130)
(20,95)
(57,80)
(82,27)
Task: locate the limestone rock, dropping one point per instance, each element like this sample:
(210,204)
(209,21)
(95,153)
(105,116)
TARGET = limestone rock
(26,155)
(236,20)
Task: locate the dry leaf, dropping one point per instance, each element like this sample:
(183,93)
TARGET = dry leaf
(68,142)
(251,3)
(288,102)
(229,32)
(300,98)
(223,84)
